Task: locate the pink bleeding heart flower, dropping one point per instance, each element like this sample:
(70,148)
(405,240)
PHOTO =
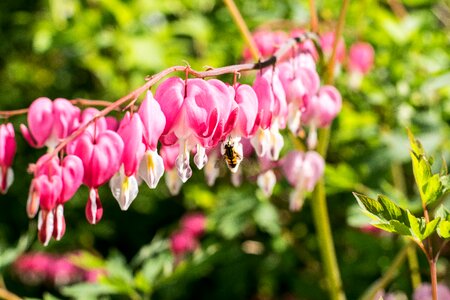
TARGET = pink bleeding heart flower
(266,182)
(47,165)
(49,190)
(247,102)
(361,57)
(151,167)
(299,84)
(7,153)
(123,184)
(72,174)
(101,157)
(424,292)
(53,185)
(195,223)
(360,62)
(193,115)
(169,155)
(267,43)
(49,122)
(320,111)
(307,47)
(327,42)
(302,170)
(272,110)
(111,123)
(182,242)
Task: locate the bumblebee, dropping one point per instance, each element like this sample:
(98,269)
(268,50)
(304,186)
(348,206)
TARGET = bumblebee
(231,155)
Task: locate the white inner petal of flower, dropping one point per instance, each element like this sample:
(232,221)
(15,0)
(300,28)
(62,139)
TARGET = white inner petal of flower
(200,158)
(151,168)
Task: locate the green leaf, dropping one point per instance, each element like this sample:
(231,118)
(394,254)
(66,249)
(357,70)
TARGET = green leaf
(383,208)
(392,211)
(369,205)
(87,290)
(400,228)
(8,256)
(432,190)
(394,226)
(431,227)
(266,217)
(443,229)
(445,182)
(443,213)
(416,146)
(420,229)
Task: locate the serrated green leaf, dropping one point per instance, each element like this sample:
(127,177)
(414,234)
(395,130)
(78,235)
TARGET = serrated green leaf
(442,213)
(421,170)
(445,182)
(400,228)
(432,190)
(392,211)
(383,208)
(415,225)
(368,204)
(431,228)
(443,229)
(419,228)
(416,146)
(384,226)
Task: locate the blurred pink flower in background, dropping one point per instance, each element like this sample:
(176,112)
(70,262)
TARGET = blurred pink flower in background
(361,57)
(194,223)
(58,270)
(360,61)
(423,292)
(186,239)
(303,171)
(327,41)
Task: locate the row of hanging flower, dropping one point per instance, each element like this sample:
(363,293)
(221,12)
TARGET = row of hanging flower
(186,116)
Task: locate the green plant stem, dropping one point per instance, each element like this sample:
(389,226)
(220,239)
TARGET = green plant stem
(326,244)
(390,273)
(319,202)
(398,179)
(413,264)
(243,28)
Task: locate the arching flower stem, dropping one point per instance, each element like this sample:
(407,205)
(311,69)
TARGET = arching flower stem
(319,203)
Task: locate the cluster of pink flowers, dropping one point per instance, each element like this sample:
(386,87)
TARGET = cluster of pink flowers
(37,268)
(185,117)
(185,240)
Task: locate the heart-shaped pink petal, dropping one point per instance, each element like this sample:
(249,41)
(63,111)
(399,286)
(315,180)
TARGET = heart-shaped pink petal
(101,157)
(72,176)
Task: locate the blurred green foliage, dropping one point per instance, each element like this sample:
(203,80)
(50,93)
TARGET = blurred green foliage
(254,247)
